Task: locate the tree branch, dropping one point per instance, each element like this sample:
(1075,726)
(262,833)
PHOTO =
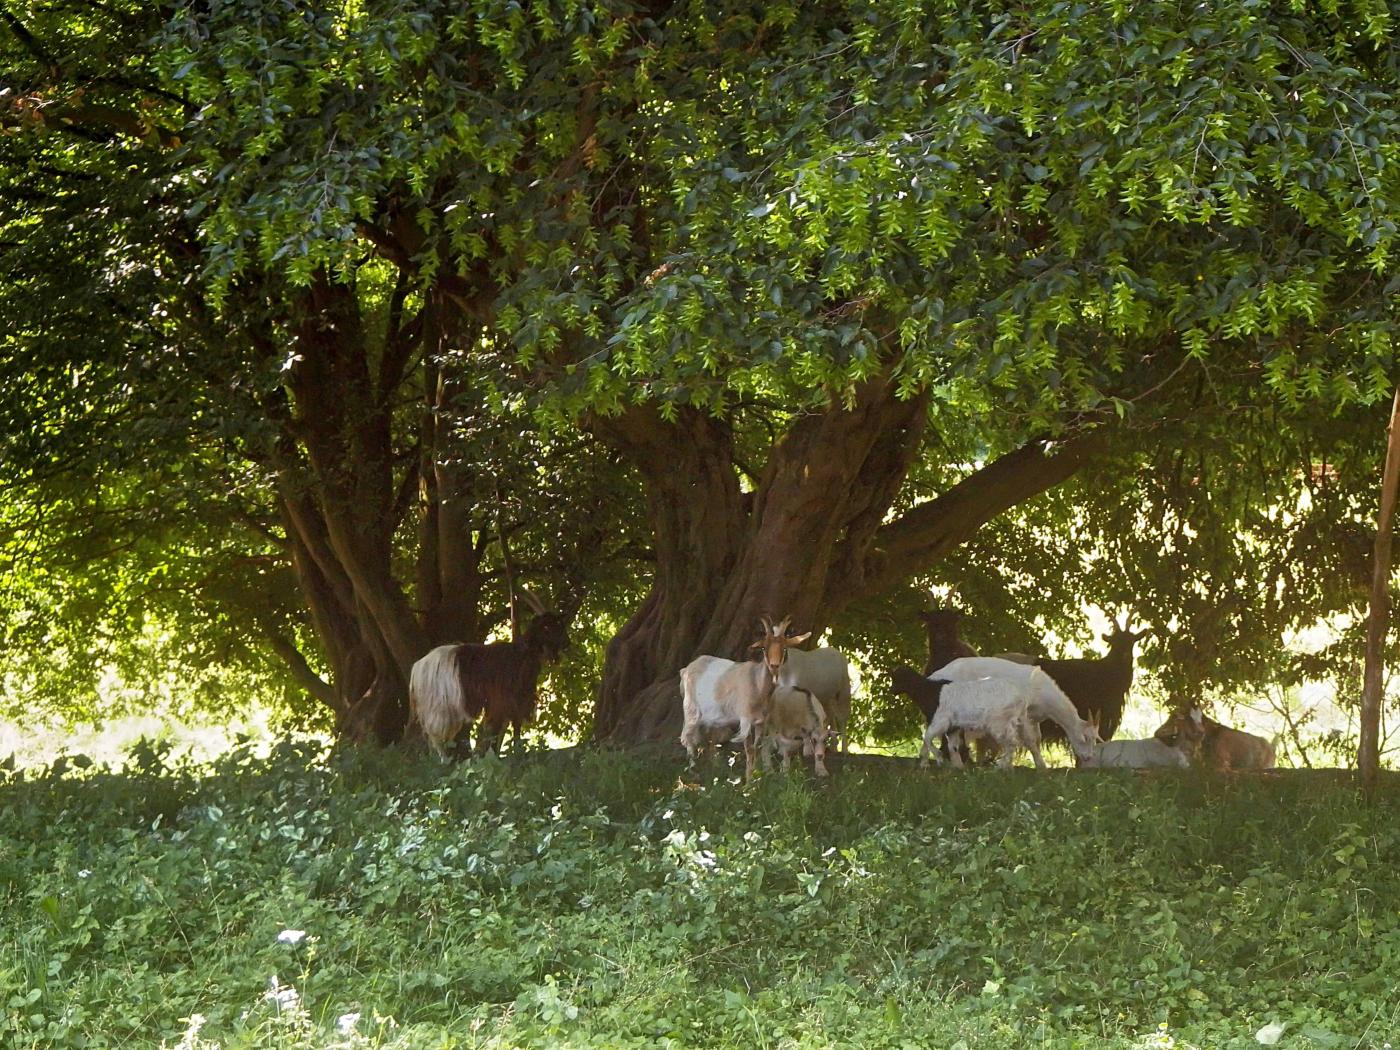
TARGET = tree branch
(301,670)
(929,531)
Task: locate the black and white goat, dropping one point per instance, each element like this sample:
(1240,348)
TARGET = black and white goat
(454,685)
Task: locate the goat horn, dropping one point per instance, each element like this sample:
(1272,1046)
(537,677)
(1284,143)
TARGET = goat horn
(534,603)
(783,627)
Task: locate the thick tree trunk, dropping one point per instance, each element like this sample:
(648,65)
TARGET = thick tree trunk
(808,541)
(1369,757)
(698,517)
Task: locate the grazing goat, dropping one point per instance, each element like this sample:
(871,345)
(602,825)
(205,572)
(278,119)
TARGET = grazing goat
(1213,745)
(1098,688)
(997,708)
(796,720)
(944,643)
(825,674)
(1047,700)
(924,693)
(453,685)
(718,693)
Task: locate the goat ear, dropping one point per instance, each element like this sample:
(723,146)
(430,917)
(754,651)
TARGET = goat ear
(797,639)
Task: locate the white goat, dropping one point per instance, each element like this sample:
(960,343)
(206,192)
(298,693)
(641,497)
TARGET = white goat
(1047,700)
(723,694)
(985,707)
(1018,658)
(796,720)
(1140,754)
(823,673)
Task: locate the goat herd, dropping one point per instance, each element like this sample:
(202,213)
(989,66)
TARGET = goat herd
(791,699)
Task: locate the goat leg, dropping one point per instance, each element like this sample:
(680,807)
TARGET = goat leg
(929,737)
(749,749)
(955,743)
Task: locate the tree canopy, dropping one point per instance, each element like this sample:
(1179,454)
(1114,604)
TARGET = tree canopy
(330,323)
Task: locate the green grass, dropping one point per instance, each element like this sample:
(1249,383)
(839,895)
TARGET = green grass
(591,899)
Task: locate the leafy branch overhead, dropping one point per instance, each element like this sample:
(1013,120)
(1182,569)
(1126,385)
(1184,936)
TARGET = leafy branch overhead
(708,313)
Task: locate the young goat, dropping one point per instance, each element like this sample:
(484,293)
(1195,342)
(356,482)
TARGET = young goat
(997,708)
(1098,688)
(1047,700)
(925,695)
(796,721)
(724,694)
(453,685)
(825,674)
(1213,745)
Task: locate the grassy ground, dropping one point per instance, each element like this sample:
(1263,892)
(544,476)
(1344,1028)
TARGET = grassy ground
(591,899)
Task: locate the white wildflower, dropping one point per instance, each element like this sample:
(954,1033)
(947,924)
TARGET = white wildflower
(345,1023)
(85,873)
(190,1040)
(283,995)
(292,937)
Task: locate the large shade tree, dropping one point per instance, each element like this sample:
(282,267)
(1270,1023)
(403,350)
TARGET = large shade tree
(841,283)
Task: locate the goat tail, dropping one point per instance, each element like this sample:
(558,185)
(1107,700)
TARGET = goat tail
(435,699)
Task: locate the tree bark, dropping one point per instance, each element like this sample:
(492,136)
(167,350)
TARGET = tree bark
(810,539)
(1368,756)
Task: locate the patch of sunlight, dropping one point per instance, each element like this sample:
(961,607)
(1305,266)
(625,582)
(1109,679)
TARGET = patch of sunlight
(109,742)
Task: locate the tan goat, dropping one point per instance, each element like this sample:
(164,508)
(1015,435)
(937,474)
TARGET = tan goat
(1213,745)
(725,694)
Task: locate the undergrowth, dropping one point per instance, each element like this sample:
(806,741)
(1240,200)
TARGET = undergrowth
(597,899)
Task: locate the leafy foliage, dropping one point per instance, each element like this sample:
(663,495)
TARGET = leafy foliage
(1173,224)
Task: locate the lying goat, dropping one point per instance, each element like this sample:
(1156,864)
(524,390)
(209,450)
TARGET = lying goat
(1140,754)
(796,721)
(995,708)
(724,694)
(1213,745)
(1047,700)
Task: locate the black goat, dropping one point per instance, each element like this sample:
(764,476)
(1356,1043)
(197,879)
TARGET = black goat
(1098,688)
(454,685)
(944,644)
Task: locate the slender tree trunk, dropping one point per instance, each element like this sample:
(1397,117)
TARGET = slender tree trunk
(1368,757)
